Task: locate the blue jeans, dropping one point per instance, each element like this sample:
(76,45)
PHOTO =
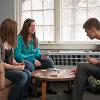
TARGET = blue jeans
(29,65)
(29,86)
(19,79)
(24,93)
(48,63)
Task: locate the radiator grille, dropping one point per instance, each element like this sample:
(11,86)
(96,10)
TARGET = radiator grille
(70,59)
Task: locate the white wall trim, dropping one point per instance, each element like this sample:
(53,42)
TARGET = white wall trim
(68,46)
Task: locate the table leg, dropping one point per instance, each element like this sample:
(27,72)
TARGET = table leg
(70,88)
(69,85)
(35,88)
(44,84)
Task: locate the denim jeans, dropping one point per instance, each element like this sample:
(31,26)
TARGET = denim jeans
(29,86)
(48,63)
(19,79)
(29,65)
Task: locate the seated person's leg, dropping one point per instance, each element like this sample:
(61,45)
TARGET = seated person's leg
(28,84)
(19,79)
(29,65)
(48,63)
(83,71)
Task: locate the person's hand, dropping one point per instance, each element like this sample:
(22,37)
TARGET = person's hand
(43,57)
(92,60)
(20,67)
(73,71)
(37,63)
(21,63)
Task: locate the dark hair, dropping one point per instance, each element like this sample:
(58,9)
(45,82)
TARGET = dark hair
(8,32)
(24,32)
(92,22)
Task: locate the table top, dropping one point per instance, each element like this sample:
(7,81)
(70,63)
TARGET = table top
(54,74)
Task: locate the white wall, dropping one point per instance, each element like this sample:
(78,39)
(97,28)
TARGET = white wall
(7,9)
(68,46)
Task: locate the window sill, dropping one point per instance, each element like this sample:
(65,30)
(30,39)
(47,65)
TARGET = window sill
(73,42)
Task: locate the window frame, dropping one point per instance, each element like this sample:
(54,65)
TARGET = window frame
(57,19)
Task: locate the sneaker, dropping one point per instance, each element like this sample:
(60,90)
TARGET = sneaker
(50,91)
(25,99)
(67,91)
(31,95)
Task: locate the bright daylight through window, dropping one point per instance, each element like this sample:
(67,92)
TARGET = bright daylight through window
(72,15)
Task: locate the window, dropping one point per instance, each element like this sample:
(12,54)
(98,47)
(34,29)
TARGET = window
(59,20)
(73,15)
(43,12)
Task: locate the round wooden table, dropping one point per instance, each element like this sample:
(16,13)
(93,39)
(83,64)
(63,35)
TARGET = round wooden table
(52,74)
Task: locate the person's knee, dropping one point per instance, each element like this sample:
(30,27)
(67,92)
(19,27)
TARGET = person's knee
(28,73)
(50,63)
(29,65)
(79,65)
(82,66)
(22,78)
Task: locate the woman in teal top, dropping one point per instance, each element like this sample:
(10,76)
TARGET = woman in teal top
(23,52)
(28,48)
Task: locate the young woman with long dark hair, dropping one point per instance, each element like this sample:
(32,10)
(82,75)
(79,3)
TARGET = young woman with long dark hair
(28,48)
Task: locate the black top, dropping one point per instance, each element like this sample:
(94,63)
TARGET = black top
(8,56)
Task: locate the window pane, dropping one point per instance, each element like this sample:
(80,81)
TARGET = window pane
(73,15)
(81,3)
(42,11)
(80,15)
(38,16)
(94,12)
(93,3)
(80,34)
(25,15)
(49,33)
(26,5)
(67,16)
(66,32)
(37,4)
(67,3)
(48,4)
(49,17)
(39,32)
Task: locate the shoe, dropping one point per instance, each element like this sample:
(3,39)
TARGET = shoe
(31,95)
(50,91)
(25,99)
(67,91)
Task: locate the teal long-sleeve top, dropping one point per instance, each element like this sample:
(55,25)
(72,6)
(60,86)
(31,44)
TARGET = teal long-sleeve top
(21,52)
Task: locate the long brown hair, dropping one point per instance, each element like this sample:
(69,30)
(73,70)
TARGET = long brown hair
(8,32)
(24,32)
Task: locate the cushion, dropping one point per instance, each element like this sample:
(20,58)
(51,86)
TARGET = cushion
(2,77)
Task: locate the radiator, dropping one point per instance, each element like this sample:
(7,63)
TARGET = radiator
(71,57)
